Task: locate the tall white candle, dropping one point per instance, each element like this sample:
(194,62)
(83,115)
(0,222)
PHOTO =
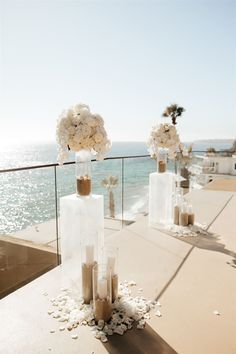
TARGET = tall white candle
(111,261)
(89,252)
(102,288)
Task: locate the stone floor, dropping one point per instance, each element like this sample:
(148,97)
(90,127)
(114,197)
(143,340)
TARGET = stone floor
(191,277)
(29,253)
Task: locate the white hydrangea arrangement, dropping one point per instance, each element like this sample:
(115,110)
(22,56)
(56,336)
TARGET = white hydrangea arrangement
(165,136)
(78,129)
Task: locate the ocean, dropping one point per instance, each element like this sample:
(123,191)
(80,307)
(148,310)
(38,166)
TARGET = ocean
(28,197)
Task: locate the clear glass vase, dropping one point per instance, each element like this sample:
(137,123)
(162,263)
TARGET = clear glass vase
(184,172)
(83,172)
(89,256)
(111,259)
(162,160)
(102,293)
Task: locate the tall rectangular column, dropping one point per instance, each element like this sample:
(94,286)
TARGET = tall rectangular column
(161,192)
(80,217)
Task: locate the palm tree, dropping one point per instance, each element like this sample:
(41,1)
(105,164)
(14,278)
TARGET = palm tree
(173,111)
(110,183)
(211,150)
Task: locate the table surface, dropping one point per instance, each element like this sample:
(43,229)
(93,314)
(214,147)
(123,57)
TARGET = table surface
(191,277)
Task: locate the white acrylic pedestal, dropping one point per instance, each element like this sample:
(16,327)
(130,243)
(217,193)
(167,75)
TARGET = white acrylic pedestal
(79,217)
(161,190)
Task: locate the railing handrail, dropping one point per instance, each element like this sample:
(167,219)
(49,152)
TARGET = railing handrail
(66,163)
(24,168)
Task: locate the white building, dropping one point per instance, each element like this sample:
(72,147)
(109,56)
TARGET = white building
(212,166)
(218,164)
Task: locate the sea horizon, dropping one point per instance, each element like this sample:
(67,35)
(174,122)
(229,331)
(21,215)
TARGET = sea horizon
(23,154)
(28,197)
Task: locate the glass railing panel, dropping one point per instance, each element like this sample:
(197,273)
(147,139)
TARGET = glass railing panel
(28,240)
(136,180)
(106,180)
(29,208)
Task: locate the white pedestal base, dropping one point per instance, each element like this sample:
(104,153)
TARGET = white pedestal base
(161,191)
(79,217)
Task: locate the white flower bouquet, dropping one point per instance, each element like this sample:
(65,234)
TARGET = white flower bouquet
(78,129)
(164,136)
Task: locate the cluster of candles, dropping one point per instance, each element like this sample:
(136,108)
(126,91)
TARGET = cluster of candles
(100,282)
(183,211)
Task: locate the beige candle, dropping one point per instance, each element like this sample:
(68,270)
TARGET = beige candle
(102,309)
(161,166)
(176,215)
(183,219)
(83,185)
(87,282)
(191,215)
(191,218)
(114,285)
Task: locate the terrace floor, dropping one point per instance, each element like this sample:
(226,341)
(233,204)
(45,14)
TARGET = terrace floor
(192,277)
(31,252)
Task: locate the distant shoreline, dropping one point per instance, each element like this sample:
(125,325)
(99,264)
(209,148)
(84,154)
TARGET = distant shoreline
(204,141)
(216,141)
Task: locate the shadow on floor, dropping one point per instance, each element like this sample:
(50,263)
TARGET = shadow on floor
(210,242)
(232,263)
(138,341)
(21,262)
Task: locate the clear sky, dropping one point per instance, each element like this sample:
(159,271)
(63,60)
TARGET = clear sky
(126,59)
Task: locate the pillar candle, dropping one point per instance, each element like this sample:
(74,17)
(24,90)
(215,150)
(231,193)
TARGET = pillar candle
(102,288)
(89,250)
(111,264)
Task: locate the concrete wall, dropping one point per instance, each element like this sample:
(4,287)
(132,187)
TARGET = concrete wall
(222,165)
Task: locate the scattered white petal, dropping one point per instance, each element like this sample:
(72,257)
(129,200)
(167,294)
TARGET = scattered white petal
(119,330)
(101,324)
(125,311)
(132,283)
(147,316)
(158,304)
(56,315)
(158,313)
(52,330)
(104,339)
(74,336)
(217,313)
(140,326)
(188,231)
(97,335)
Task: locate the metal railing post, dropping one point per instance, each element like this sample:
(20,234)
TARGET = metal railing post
(122,190)
(56,213)
(176,166)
